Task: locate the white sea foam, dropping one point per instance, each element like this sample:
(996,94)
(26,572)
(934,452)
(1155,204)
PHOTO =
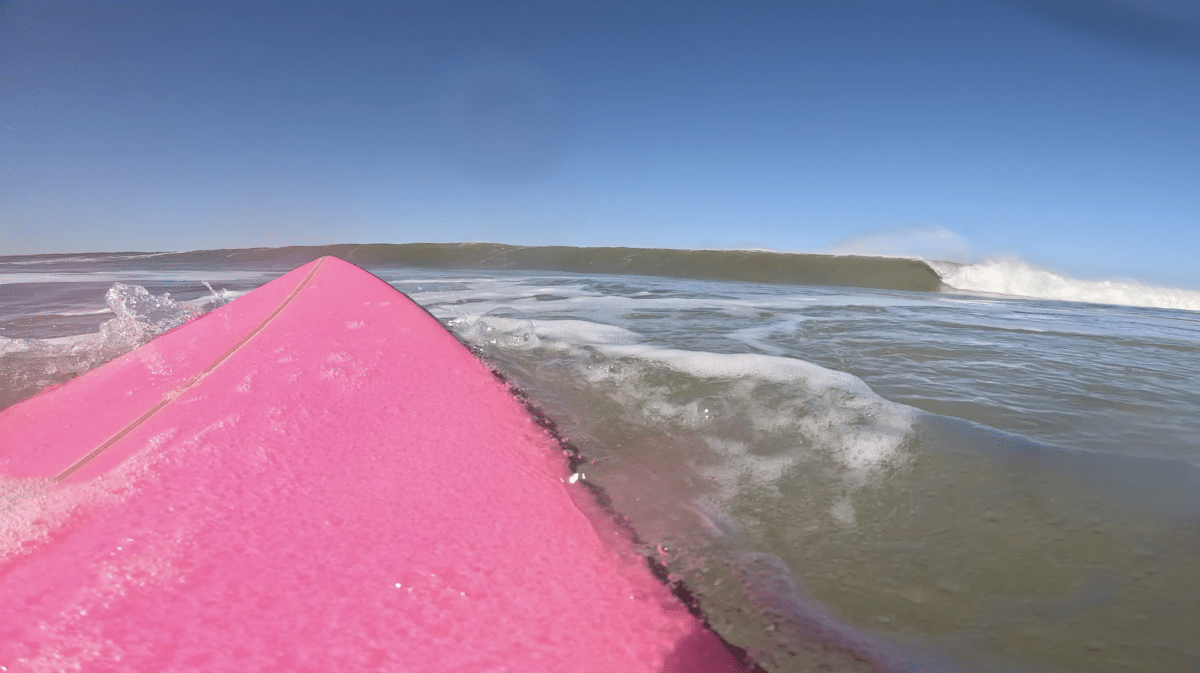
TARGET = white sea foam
(1016,277)
(583,332)
(748,401)
(733,366)
(756,336)
(815,410)
(97,311)
(866,430)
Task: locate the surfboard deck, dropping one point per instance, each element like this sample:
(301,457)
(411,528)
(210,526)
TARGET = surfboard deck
(316,476)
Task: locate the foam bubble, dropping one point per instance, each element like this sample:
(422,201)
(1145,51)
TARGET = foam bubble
(710,410)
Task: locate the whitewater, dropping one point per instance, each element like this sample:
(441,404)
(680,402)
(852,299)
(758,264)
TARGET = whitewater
(1014,277)
(853,463)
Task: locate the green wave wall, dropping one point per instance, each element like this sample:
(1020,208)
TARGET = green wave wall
(726,265)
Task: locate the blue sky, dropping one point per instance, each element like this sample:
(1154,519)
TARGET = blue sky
(1061,131)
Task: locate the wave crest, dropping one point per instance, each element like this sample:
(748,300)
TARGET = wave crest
(1006,275)
(1016,277)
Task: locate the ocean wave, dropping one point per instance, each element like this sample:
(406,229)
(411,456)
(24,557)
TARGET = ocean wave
(1008,276)
(1016,277)
(755,266)
(1005,276)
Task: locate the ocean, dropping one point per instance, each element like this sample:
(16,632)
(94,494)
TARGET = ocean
(849,463)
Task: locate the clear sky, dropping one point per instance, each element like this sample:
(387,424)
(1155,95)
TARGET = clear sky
(1066,132)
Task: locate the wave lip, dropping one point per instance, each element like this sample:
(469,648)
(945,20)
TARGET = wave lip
(1015,277)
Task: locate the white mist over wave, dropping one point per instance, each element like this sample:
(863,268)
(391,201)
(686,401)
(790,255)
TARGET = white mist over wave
(913,242)
(1014,276)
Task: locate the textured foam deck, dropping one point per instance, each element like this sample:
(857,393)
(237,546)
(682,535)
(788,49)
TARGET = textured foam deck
(315,477)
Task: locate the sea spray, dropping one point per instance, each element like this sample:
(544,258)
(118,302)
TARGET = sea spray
(1018,278)
(28,365)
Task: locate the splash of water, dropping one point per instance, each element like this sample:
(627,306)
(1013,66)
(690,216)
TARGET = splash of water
(1013,276)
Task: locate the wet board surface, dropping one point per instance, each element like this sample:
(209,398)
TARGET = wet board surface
(314,477)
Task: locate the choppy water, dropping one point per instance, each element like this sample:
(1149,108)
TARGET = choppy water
(884,477)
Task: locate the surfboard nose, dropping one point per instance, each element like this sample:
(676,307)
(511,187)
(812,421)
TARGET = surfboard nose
(316,475)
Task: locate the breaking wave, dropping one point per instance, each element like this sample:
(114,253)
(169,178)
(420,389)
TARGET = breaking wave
(1015,277)
(1003,276)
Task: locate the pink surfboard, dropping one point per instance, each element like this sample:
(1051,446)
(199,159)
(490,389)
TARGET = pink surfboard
(315,477)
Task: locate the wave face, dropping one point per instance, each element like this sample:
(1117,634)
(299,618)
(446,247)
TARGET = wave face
(1004,276)
(757,266)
